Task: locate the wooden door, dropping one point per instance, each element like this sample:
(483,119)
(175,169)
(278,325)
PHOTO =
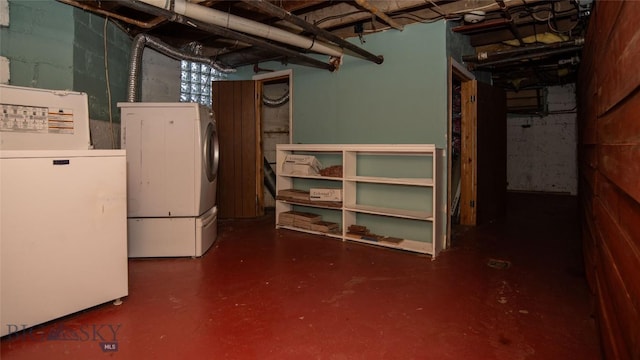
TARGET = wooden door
(484,153)
(468,175)
(491,147)
(240,186)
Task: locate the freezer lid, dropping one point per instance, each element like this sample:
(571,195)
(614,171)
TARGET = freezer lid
(42,119)
(23,154)
(154,105)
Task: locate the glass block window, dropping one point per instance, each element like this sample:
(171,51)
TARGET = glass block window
(195,82)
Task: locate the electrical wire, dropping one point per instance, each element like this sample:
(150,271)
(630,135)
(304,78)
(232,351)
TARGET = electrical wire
(376,30)
(563,31)
(339,16)
(533,15)
(420,19)
(479,8)
(106,74)
(527,8)
(410,17)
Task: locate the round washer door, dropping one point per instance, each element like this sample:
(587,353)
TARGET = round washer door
(211,154)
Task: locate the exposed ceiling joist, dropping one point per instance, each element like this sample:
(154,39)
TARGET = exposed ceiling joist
(316,31)
(221,31)
(324,25)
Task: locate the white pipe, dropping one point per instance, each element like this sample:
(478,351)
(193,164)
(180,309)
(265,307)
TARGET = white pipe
(237,23)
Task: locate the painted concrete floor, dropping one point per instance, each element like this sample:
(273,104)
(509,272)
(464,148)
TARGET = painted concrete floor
(509,290)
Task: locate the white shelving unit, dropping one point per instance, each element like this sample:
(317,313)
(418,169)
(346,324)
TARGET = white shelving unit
(392,189)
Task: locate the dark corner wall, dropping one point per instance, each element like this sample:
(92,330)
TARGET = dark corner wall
(609,161)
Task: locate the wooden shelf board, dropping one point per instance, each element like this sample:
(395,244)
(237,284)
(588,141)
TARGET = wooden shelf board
(411,149)
(405,214)
(317,204)
(317,177)
(335,236)
(408,245)
(392,181)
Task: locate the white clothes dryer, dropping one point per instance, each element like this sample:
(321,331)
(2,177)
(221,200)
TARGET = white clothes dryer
(172,166)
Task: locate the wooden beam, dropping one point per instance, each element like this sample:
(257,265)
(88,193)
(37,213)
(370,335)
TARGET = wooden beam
(379,14)
(285,15)
(468,156)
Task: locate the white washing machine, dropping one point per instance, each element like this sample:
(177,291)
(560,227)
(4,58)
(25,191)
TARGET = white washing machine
(172,166)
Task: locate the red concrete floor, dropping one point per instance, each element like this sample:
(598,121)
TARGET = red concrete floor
(267,294)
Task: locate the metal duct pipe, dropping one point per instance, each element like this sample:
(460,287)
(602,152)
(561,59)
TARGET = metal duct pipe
(224,32)
(484,56)
(237,23)
(287,16)
(527,57)
(142,40)
(276,102)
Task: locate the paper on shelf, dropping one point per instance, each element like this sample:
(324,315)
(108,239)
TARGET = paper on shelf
(301,165)
(320,194)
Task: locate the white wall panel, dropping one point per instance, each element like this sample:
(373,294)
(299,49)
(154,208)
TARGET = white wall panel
(541,152)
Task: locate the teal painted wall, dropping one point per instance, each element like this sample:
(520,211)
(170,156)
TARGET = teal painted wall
(402,100)
(52,45)
(39,44)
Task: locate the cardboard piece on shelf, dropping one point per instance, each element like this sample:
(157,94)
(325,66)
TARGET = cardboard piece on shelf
(301,165)
(294,194)
(325,226)
(299,219)
(318,194)
(391,239)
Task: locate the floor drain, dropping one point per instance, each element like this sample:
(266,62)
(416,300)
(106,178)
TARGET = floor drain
(498,264)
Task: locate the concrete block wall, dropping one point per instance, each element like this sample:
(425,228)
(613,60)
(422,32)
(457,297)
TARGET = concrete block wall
(39,44)
(90,74)
(160,77)
(52,45)
(105,134)
(90,71)
(541,151)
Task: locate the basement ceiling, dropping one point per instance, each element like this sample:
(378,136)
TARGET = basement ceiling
(522,43)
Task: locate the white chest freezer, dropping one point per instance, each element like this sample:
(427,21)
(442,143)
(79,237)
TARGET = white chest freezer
(63,233)
(63,210)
